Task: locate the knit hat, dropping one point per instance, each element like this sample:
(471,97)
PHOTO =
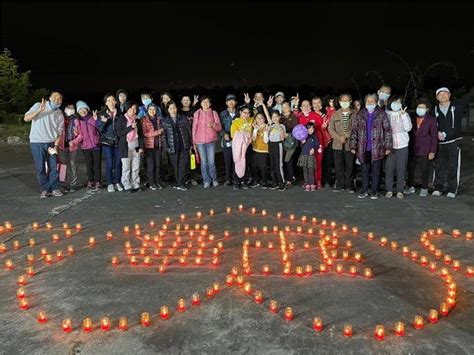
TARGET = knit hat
(279,93)
(445,89)
(80,105)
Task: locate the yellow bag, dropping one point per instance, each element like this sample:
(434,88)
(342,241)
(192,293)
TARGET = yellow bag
(192,161)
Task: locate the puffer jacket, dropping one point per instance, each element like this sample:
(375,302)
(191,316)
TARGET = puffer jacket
(202,133)
(107,129)
(153,140)
(184,130)
(88,136)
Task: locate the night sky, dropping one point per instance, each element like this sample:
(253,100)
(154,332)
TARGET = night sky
(100,46)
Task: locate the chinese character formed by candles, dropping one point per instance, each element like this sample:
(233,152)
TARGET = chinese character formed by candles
(42,317)
(164,312)
(418,323)
(288,315)
(105,324)
(400,329)
(67,325)
(433,316)
(347,330)
(317,324)
(145,319)
(379,332)
(87,325)
(258,297)
(123,323)
(181,307)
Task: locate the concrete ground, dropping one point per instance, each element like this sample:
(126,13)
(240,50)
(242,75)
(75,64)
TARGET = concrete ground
(87,285)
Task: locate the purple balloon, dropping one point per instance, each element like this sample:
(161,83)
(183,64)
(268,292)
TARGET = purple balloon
(300,132)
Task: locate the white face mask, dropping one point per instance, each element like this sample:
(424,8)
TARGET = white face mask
(420,111)
(396,106)
(384,96)
(344,104)
(69,111)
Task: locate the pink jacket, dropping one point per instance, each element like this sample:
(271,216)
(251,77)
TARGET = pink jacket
(88,136)
(202,133)
(240,143)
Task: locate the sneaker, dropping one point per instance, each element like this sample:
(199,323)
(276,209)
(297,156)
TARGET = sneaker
(244,186)
(236,187)
(134,190)
(451,195)
(318,186)
(90,185)
(363,194)
(182,188)
(304,186)
(153,187)
(160,186)
(307,188)
(281,188)
(400,195)
(207,185)
(264,185)
(374,196)
(436,193)
(215,183)
(312,187)
(273,187)
(193,182)
(423,192)
(389,194)
(98,185)
(410,190)
(336,189)
(228,183)
(119,187)
(57,193)
(328,185)
(254,184)
(44,194)
(110,188)
(350,190)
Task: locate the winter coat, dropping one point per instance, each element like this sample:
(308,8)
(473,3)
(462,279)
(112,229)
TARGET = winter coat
(184,129)
(121,129)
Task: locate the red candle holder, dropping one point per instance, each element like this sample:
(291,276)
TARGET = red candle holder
(210,292)
(9,264)
(469,271)
(418,323)
(400,329)
(444,309)
(347,331)
(20,293)
(288,315)
(30,271)
(433,316)
(181,307)
(317,324)
(105,324)
(258,297)
(67,325)
(123,323)
(379,332)
(164,313)
(87,325)
(115,260)
(273,306)
(195,299)
(42,317)
(145,319)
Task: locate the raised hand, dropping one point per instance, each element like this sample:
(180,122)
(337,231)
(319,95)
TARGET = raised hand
(103,118)
(42,105)
(246,98)
(270,101)
(94,115)
(196,100)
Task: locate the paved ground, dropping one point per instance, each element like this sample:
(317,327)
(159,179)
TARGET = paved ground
(87,285)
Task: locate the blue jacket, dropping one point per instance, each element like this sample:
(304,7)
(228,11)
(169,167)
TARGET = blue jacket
(311,142)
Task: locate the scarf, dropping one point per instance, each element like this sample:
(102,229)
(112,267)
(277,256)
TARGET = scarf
(132,135)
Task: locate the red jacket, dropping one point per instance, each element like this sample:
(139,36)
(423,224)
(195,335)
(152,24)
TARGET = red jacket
(152,139)
(316,119)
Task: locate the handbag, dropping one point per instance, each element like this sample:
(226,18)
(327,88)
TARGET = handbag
(110,142)
(289,142)
(192,161)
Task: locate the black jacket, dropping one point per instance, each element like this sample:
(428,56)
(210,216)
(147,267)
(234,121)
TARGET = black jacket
(107,129)
(184,129)
(121,130)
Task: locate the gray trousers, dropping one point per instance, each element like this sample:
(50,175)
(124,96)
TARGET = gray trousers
(396,163)
(69,158)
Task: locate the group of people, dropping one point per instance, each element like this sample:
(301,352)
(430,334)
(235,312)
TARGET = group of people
(256,137)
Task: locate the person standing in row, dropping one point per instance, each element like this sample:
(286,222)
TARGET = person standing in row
(260,151)
(130,133)
(109,142)
(240,133)
(122,97)
(47,125)
(340,128)
(68,154)
(306,159)
(276,135)
(370,141)
(290,145)
(396,162)
(423,147)
(226,118)
(179,142)
(206,125)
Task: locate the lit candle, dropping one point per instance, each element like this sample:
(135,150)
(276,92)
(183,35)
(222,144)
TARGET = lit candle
(133,260)
(195,299)
(126,229)
(211,212)
(65,225)
(109,235)
(70,249)
(24,305)
(123,323)
(469,271)
(78,227)
(181,307)
(147,260)
(400,329)
(105,324)
(358,257)
(55,238)
(266,270)
(447,259)
(379,332)
(347,330)
(210,292)
(30,271)
(317,324)
(323,268)
(433,316)
(228,210)
(368,273)
(273,306)
(229,280)
(239,280)
(164,313)
(42,317)
(3,248)
(405,251)
(264,213)
(423,260)
(418,323)
(299,271)
(258,297)
(241,208)
(383,241)
(68,233)
(308,270)
(145,319)
(91,241)
(30,258)
(67,325)
(444,309)
(288,315)
(432,266)
(456,233)
(35,225)
(456,265)
(439,231)
(8,225)
(16,244)
(115,260)
(355,230)
(468,235)
(48,259)
(339,268)
(353,270)
(22,280)
(87,325)
(20,293)
(44,251)
(248,288)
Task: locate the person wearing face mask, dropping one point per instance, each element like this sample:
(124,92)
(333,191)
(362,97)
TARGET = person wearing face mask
(447,165)
(147,99)
(423,146)
(396,162)
(383,96)
(67,152)
(370,141)
(47,125)
(340,128)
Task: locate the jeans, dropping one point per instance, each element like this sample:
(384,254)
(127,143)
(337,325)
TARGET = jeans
(113,164)
(47,181)
(207,152)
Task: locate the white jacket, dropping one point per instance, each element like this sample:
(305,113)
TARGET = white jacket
(401,125)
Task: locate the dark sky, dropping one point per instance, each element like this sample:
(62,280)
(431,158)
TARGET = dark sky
(99,46)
